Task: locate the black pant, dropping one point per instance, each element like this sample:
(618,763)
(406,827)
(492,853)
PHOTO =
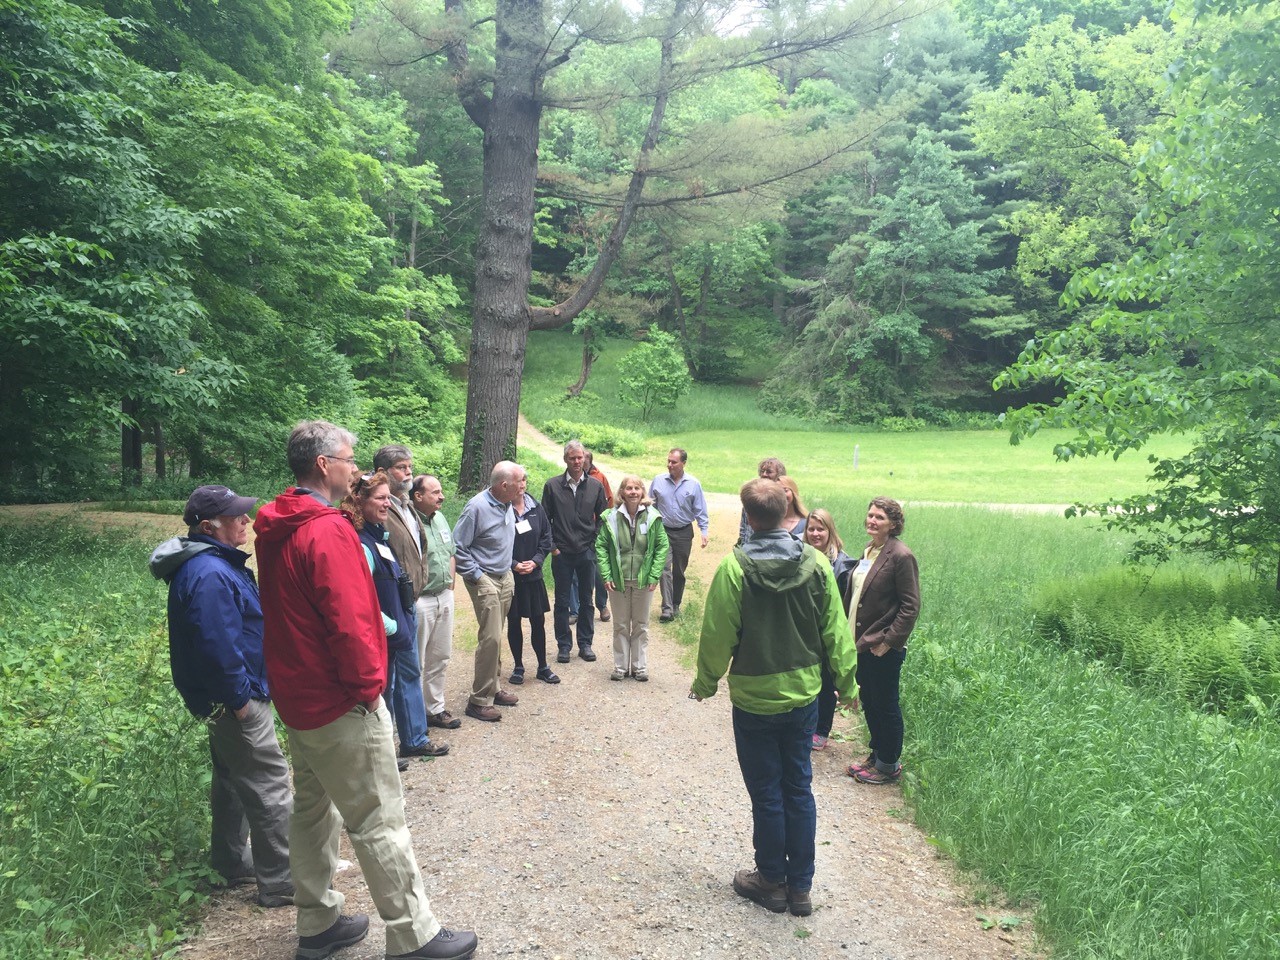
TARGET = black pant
(580,569)
(680,540)
(878,679)
(537,638)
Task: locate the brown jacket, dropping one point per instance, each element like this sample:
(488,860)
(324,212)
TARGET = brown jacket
(890,599)
(408,548)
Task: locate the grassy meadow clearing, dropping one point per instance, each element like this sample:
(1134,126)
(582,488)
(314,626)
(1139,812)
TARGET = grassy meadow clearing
(727,434)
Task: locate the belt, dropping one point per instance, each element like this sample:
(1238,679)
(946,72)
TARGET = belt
(683,526)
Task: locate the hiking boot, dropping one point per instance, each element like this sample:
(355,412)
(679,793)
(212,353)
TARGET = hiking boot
(432,748)
(504,699)
(445,720)
(587,654)
(445,945)
(344,932)
(771,896)
(859,765)
(799,902)
(618,675)
(641,675)
(487,714)
(819,742)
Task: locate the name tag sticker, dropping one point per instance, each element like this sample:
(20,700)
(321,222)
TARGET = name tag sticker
(644,528)
(524,526)
(444,536)
(863,566)
(386,552)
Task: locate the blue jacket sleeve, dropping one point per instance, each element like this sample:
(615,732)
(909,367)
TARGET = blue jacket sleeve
(210,606)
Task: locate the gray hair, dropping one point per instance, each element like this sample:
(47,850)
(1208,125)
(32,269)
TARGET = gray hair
(391,454)
(504,471)
(574,445)
(315,438)
(194,530)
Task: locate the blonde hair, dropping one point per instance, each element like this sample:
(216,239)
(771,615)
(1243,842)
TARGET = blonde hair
(795,495)
(639,482)
(822,517)
(361,487)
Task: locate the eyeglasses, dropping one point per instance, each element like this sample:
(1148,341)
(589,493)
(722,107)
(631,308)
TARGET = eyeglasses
(330,456)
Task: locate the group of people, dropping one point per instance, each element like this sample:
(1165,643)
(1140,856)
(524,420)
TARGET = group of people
(356,605)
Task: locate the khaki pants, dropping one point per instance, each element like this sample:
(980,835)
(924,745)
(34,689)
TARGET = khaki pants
(346,772)
(435,645)
(491,597)
(631,627)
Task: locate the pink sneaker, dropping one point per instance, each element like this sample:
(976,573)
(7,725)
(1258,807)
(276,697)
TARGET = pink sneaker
(819,742)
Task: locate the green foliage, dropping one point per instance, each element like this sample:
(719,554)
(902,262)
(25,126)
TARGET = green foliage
(1178,337)
(598,438)
(654,373)
(104,780)
(1214,642)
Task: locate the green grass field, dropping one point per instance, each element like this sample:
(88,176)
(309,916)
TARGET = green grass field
(727,434)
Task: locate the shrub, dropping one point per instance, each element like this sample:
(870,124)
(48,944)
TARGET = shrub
(596,437)
(654,374)
(1214,642)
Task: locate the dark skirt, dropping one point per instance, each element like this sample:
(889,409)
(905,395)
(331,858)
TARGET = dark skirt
(530,598)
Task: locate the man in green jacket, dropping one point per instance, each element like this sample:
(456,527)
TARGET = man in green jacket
(773,616)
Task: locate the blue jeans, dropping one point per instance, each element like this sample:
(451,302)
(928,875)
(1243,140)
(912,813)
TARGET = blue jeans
(878,679)
(774,753)
(602,594)
(573,569)
(404,686)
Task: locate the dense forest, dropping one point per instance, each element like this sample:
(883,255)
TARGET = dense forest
(218,218)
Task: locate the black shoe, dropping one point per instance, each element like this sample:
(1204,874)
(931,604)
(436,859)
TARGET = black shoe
(445,945)
(402,764)
(276,898)
(428,749)
(345,932)
(562,656)
(665,618)
(546,676)
(587,654)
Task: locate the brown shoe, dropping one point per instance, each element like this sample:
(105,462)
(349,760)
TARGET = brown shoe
(444,719)
(487,714)
(504,699)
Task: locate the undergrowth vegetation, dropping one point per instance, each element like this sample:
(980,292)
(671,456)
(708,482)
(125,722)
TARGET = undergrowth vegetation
(1214,641)
(104,776)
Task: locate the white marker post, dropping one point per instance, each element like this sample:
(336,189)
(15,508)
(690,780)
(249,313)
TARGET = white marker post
(855,456)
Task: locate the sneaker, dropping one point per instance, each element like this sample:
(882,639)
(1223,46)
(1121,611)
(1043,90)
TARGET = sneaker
(859,765)
(517,676)
(771,896)
(432,748)
(877,777)
(445,945)
(270,900)
(344,932)
(546,676)
(819,742)
(799,902)
(402,765)
(605,616)
(641,675)
(618,675)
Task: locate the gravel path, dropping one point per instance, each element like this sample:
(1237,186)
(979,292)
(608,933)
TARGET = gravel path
(605,820)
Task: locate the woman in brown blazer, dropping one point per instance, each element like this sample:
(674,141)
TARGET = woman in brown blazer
(882,595)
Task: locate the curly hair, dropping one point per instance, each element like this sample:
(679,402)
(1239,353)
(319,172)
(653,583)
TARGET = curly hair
(893,510)
(361,487)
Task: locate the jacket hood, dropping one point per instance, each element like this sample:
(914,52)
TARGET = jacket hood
(167,558)
(282,517)
(776,561)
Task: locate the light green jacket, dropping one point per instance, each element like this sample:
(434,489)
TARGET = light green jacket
(793,622)
(610,558)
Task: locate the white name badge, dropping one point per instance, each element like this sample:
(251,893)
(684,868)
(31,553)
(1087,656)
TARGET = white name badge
(644,528)
(386,552)
(444,536)
(524,526)
(863,566)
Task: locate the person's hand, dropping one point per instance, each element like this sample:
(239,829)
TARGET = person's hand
(652,587)
(242,712)
(694,696)
(880,649)
(609,584)
(704,541)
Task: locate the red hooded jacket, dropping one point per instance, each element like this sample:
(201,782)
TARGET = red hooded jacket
(323,640)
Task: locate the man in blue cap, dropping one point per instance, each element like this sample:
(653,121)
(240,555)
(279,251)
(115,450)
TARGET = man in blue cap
(215,652)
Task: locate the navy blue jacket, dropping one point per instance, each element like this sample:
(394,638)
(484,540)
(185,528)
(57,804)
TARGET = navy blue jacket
(386,577)
(215,623)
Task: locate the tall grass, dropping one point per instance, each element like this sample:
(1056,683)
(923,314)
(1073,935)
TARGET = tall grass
(103,775)
(1141,828)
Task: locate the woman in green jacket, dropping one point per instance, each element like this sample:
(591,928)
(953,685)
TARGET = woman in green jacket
(632,550)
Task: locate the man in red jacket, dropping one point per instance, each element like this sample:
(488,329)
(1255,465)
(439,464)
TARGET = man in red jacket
(326,658)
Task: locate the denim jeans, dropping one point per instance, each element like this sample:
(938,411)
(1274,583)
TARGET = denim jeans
(878,679)
(404,684)
(774,752)
(574,569)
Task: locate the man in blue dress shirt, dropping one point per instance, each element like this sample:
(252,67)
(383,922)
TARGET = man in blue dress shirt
(679,498)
